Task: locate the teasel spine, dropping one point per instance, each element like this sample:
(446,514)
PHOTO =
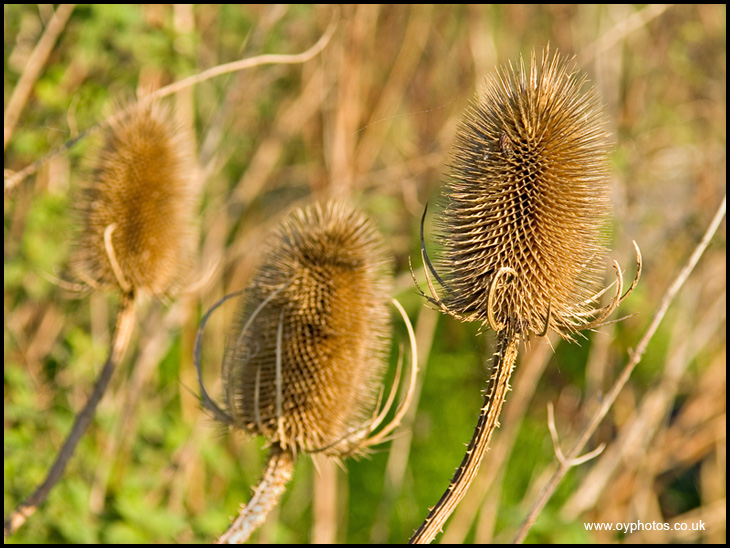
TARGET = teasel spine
(521,230)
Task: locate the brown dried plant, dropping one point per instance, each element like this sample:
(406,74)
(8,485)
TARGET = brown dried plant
(527,198)
(137,212)
(137,235)
(306,357)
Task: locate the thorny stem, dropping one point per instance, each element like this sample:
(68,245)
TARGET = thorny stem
(279,470)
(122,334)
(504,362)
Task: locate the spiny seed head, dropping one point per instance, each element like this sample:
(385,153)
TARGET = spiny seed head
(528,191)
(137,212)
(305,357)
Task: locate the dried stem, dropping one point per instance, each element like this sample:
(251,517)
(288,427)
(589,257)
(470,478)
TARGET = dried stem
(120,342)
(279,470)
(504,362)
(243,64)
(621,29)
(33,68)
(610,398)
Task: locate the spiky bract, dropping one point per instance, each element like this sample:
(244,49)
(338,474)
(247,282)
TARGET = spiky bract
(528,191)
(307,353)
(137,211)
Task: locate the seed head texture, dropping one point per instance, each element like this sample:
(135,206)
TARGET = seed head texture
(138,209)
(306,355)
(528,191)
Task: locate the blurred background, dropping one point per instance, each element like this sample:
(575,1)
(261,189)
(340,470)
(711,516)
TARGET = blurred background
(372,118)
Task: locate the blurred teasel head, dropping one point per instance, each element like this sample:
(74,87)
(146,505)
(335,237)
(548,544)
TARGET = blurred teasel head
(526,199)
(305,359)
(137,228)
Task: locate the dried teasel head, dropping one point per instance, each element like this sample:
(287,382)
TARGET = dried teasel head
(137,212)
(306,356)
(527,197)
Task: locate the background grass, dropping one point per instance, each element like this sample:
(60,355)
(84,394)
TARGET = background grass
(373,118)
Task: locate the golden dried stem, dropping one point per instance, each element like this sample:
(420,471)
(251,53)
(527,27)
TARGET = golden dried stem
(33,68)
(504,362)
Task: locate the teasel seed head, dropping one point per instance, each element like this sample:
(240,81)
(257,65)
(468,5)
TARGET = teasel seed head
(137,212)
(527,197)
(523,252)
(306,356)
